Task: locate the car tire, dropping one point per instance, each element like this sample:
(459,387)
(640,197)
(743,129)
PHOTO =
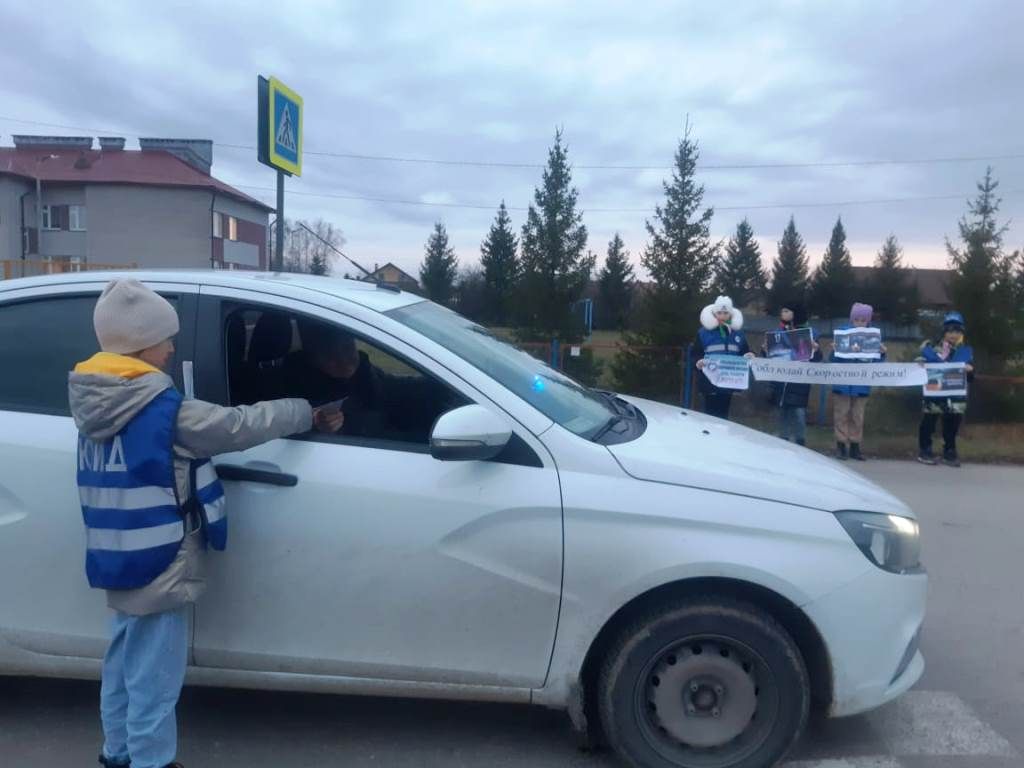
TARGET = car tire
(707,683)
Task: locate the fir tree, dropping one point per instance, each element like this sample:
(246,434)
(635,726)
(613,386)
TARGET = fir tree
(981,274)
(789,271)
(741,275)
(500,268)
(680,258)
(890,289)
(555,267)
(439,268)
(833,287)
(616,286)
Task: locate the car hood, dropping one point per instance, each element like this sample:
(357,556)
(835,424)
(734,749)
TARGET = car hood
(691,449)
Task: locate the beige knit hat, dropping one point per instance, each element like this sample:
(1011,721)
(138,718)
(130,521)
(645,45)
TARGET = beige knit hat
(129,317)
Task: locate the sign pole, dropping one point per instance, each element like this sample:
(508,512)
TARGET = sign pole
(279,244)
(279,144)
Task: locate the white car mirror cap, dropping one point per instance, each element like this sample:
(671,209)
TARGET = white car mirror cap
(469,433)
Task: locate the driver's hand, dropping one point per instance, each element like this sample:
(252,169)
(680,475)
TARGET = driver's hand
(327,421)
(700,364)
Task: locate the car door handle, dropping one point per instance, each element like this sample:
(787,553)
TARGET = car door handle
(253,475)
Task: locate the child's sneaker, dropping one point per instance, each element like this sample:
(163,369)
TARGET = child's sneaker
(927,458)
(951,460)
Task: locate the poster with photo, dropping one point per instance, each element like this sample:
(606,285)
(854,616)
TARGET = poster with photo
(796,345)
(945,380)
(858,343)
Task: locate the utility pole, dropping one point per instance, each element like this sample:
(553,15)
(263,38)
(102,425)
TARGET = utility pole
(279,243)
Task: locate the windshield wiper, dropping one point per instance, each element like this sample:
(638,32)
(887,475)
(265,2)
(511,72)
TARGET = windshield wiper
(607,427)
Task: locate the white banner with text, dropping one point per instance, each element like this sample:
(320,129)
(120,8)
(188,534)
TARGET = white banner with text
(840,374)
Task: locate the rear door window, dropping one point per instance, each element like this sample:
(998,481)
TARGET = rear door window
(41,340)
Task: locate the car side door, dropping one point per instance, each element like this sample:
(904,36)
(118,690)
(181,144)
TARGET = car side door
(363,556)
(48,607)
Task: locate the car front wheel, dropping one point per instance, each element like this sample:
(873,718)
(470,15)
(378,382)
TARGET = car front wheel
(709,683)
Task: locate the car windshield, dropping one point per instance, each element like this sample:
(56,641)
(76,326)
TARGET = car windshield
(578,409)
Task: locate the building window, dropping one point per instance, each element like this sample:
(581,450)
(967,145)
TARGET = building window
(232,228)
(218,224)
(76,218)
(49,218)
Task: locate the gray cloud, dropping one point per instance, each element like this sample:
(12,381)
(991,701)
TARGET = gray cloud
(762,83)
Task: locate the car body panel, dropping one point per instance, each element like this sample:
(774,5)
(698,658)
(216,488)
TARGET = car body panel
(699,451)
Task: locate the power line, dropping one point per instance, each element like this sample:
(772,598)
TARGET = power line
(649,209)
(584,166)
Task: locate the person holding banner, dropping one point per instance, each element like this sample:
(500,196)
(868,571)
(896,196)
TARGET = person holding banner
(720,334)
(849,401)
(790,398)
(950,349)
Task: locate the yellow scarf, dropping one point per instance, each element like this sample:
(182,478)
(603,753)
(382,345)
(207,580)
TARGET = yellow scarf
(109,364)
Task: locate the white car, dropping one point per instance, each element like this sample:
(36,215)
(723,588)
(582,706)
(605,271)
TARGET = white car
(686,588)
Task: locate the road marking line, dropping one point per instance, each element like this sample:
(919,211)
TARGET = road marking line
(938,723)
(848,762)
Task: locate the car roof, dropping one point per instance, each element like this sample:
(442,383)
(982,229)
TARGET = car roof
(369,295)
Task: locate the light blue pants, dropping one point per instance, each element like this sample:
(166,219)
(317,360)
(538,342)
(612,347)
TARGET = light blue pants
(143,672)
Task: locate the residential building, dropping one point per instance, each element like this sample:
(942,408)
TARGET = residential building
(393,275)
(933,286)
(64,203)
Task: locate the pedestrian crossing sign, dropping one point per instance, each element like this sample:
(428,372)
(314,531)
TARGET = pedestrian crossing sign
(284,126)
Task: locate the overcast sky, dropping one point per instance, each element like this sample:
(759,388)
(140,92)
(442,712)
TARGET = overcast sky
(763,83)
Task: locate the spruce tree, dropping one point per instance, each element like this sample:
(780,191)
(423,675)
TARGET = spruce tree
(555,267)
(980,276)
(439,268)
(890,288)
(789,271)
(616,286)
(500,268)
(680,258)
(833,287)
(741,274)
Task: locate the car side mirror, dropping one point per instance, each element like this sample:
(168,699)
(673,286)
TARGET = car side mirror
(469,433)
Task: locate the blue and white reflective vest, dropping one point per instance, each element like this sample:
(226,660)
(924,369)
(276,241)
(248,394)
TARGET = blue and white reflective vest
(134,521)
(715,343)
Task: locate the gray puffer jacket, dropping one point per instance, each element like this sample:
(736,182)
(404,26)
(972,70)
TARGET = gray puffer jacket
(103,405)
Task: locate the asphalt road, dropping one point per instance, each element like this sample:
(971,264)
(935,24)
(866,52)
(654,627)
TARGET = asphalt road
(967,711)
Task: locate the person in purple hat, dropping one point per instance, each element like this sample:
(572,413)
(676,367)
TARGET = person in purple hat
(850,400)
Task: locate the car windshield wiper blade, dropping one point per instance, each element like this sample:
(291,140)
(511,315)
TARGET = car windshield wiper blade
(607,427)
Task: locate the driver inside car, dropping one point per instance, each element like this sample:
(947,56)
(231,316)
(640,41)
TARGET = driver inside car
(336,374)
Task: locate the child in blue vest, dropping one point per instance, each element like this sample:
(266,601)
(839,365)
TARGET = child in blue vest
(950,349)
(849,401)
(151,503)
(720,334)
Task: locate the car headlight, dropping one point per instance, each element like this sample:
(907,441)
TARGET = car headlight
(891,542)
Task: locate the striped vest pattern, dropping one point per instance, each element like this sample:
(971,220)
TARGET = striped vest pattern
(134,520)
(715,344)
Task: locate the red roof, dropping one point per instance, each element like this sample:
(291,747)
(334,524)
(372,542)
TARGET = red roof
(151,168)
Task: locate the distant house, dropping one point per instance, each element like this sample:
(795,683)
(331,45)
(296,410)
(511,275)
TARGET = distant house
(393,275)
(932,286)
(64,203)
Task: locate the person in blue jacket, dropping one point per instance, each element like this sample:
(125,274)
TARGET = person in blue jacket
(720,334)
(849,401)
(950,349)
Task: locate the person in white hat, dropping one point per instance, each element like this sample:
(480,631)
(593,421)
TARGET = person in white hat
(152,504)
(721,333)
